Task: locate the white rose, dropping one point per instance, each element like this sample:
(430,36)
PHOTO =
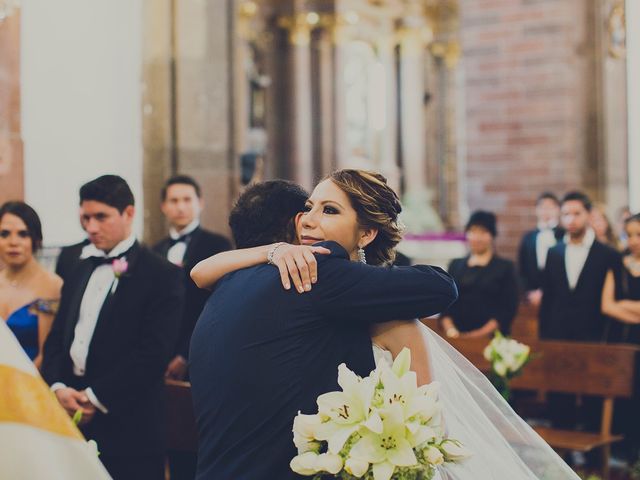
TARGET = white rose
(305,464)
(356,467)
(488,351)
(454,451)
(328,462)
(500,368)
(433,456)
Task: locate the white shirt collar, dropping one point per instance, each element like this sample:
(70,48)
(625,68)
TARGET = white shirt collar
(92,251)
(175,234)
(587,240)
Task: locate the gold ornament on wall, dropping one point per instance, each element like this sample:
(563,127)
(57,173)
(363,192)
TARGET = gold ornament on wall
(617,33)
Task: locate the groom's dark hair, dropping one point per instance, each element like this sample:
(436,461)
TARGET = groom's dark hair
(265,213)
(110,189)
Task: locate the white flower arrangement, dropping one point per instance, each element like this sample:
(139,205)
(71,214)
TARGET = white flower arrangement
(507,357)
(380,427)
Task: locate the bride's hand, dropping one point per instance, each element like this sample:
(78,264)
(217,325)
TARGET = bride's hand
(299,263)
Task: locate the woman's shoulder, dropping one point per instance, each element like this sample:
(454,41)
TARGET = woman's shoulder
(49,285)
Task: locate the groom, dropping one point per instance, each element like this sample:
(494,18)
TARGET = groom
(260,353)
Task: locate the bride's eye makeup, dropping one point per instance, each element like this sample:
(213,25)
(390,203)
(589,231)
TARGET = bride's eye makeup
(329,210)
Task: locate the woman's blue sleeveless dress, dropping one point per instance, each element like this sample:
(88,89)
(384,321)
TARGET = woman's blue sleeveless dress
(23,322)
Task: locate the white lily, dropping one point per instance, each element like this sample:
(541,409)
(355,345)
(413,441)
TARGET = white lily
(433,455)
(304,431)
(356,467)
(388,450)
(347,410)
(328,462)
(304,464)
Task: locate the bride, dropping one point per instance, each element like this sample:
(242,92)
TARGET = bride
(358,210)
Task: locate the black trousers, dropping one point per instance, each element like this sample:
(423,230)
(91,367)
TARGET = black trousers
(148,467)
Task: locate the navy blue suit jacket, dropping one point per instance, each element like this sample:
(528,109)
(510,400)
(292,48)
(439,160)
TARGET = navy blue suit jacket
(259,353)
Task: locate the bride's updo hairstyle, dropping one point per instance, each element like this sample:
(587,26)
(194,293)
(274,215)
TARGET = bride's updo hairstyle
(377,206)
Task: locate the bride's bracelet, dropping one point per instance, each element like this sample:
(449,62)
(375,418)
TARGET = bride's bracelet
(272,252)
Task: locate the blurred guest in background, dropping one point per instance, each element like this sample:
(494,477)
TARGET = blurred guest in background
(621,217)
(535,244)
(574,276)
(621,293)
(187,244)
(621,301)
(602,227)
(114,334)
(572,285)
(487,284)
(29,294)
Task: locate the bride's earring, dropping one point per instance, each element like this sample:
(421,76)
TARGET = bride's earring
(361,256)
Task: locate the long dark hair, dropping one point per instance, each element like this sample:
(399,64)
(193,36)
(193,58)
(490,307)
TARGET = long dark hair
(30,218)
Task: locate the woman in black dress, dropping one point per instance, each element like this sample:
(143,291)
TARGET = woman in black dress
(487,284)
(621,292)
(621,302)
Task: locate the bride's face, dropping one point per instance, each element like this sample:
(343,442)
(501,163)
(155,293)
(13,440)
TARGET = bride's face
(329,215)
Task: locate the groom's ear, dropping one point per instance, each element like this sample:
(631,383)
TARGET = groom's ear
(367,236)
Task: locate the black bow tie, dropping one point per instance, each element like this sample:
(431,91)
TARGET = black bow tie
(182,238)
(97,261)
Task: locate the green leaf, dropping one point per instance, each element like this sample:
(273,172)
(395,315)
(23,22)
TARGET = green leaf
(77,417)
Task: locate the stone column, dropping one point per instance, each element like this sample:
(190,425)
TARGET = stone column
(339,97)
(388,147)
(412,121)
(301,158)
(633,102)
(158,90)
(11,147)
(327,107)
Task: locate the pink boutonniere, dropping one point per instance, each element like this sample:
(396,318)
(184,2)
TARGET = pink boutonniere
(120,267)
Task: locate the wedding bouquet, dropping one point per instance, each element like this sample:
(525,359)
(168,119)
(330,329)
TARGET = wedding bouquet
(380,427)
(507,357)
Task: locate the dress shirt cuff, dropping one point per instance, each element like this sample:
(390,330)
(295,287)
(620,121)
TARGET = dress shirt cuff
(94,400)
(57,386)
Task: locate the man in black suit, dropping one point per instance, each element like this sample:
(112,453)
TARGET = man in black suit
(573,278)
(535,244)
(113,335)
(187,244)
(69,258)
(572,285)
(260,353)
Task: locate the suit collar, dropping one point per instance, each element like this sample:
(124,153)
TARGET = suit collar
(175,234)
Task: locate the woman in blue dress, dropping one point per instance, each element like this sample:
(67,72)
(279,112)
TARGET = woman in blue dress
(28,293)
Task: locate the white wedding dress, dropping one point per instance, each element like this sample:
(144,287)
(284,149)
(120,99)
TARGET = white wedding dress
(504,446)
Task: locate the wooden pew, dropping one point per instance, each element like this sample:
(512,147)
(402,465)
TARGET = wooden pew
(181,423)
(596,369)
(525,323)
